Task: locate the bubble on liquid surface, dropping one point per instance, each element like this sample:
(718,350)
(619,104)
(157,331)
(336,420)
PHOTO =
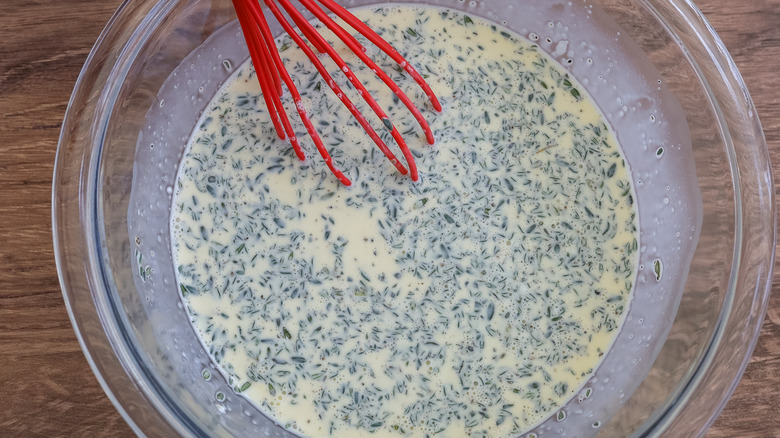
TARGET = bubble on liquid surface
(561,48)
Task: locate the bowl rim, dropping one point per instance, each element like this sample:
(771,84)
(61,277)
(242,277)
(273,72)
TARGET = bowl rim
(661,421)
(89,266)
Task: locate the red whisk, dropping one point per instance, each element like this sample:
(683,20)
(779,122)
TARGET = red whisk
(271,73)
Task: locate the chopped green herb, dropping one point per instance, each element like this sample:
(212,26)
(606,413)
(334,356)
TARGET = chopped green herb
(472,298)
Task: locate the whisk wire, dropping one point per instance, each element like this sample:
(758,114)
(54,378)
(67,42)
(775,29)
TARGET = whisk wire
(345,36)
(383,45)
(268,62)
(270,69)
(332,84)
(260,60)
(303,23)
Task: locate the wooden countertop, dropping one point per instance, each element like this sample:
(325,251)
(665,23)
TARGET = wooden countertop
(47,385)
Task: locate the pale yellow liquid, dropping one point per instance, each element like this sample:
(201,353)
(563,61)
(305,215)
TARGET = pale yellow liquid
(507,281)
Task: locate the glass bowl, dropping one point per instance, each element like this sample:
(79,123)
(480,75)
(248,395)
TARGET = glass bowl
(122,138)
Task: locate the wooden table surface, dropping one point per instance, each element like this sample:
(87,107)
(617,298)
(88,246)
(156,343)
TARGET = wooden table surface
(48,389)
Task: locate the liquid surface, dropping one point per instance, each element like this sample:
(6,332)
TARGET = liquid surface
(471,303)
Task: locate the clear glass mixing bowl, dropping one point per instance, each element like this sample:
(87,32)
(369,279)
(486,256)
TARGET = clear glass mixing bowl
(113,249)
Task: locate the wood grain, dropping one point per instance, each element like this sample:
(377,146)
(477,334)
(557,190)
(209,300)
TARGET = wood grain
(751,32)
(48,387)
(50,390)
